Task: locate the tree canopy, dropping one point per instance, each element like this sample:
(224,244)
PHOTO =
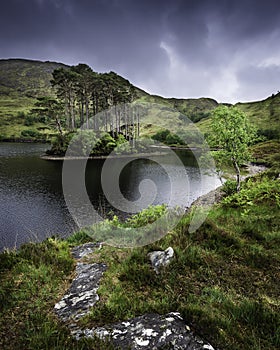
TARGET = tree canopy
(84,93)
(232,134)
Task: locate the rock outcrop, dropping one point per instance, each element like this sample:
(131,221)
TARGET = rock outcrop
(150,332)
(147,332)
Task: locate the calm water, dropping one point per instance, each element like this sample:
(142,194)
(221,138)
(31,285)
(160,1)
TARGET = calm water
(32,205)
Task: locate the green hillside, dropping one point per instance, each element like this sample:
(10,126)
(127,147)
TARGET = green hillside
(265,115)
(26,78)
(22,81)
(187,109)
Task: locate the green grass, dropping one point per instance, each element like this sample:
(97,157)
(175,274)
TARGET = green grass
(13,115)
(173,114)
(268,154)
(264,115)
(32,281)
(21,81)
(224,279)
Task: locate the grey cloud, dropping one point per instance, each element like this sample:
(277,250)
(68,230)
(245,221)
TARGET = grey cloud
(180,48)
(258,82)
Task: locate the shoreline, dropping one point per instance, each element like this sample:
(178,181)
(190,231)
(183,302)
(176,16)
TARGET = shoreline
(20,140)
(117,156)
(207,198)
(161,152)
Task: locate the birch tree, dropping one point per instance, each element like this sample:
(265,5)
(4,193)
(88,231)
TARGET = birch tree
(232,134)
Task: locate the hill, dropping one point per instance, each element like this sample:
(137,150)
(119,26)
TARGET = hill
(22,81)
(265,115)
(26,78)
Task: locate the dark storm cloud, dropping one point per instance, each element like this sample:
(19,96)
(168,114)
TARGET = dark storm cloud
(224,49)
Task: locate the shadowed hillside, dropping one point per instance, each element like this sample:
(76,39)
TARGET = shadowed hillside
(21,81)
(26,78)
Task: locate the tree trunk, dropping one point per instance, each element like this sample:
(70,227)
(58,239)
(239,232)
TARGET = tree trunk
(125,122)
(72,110)
(82,113)
(87,113)
(67,112)
(133,127)
(116,117)
(58,125)
(238,177)
(119,116)
(138,123)
(94,118)
(106,121)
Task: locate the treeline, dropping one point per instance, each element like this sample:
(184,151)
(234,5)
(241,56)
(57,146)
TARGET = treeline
(81,94)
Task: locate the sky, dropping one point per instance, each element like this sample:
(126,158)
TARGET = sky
(228,50)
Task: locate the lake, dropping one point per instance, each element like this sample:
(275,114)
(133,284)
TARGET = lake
(32,204)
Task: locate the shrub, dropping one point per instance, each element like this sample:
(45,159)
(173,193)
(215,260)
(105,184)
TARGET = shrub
(29,120)
(165,136)
(21,115)
(161,135)
(255,191)
(60,144)
(229,187)
(30,133)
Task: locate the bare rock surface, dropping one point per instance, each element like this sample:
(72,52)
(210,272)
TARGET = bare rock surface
(84,250)
(147,332)
(82,294)
(161,258)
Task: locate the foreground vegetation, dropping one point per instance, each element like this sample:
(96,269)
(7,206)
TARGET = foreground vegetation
(224,280)
(32,279)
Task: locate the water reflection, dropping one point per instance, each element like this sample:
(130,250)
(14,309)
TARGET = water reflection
(32,205)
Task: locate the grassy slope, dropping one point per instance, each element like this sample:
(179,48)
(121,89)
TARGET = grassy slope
(21,81)
(177,115)
(32,280)
(224,280)
(265,115)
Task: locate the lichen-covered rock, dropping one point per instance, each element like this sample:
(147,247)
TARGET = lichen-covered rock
(149,332)
(84,250)
(82,294)
(161,258)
